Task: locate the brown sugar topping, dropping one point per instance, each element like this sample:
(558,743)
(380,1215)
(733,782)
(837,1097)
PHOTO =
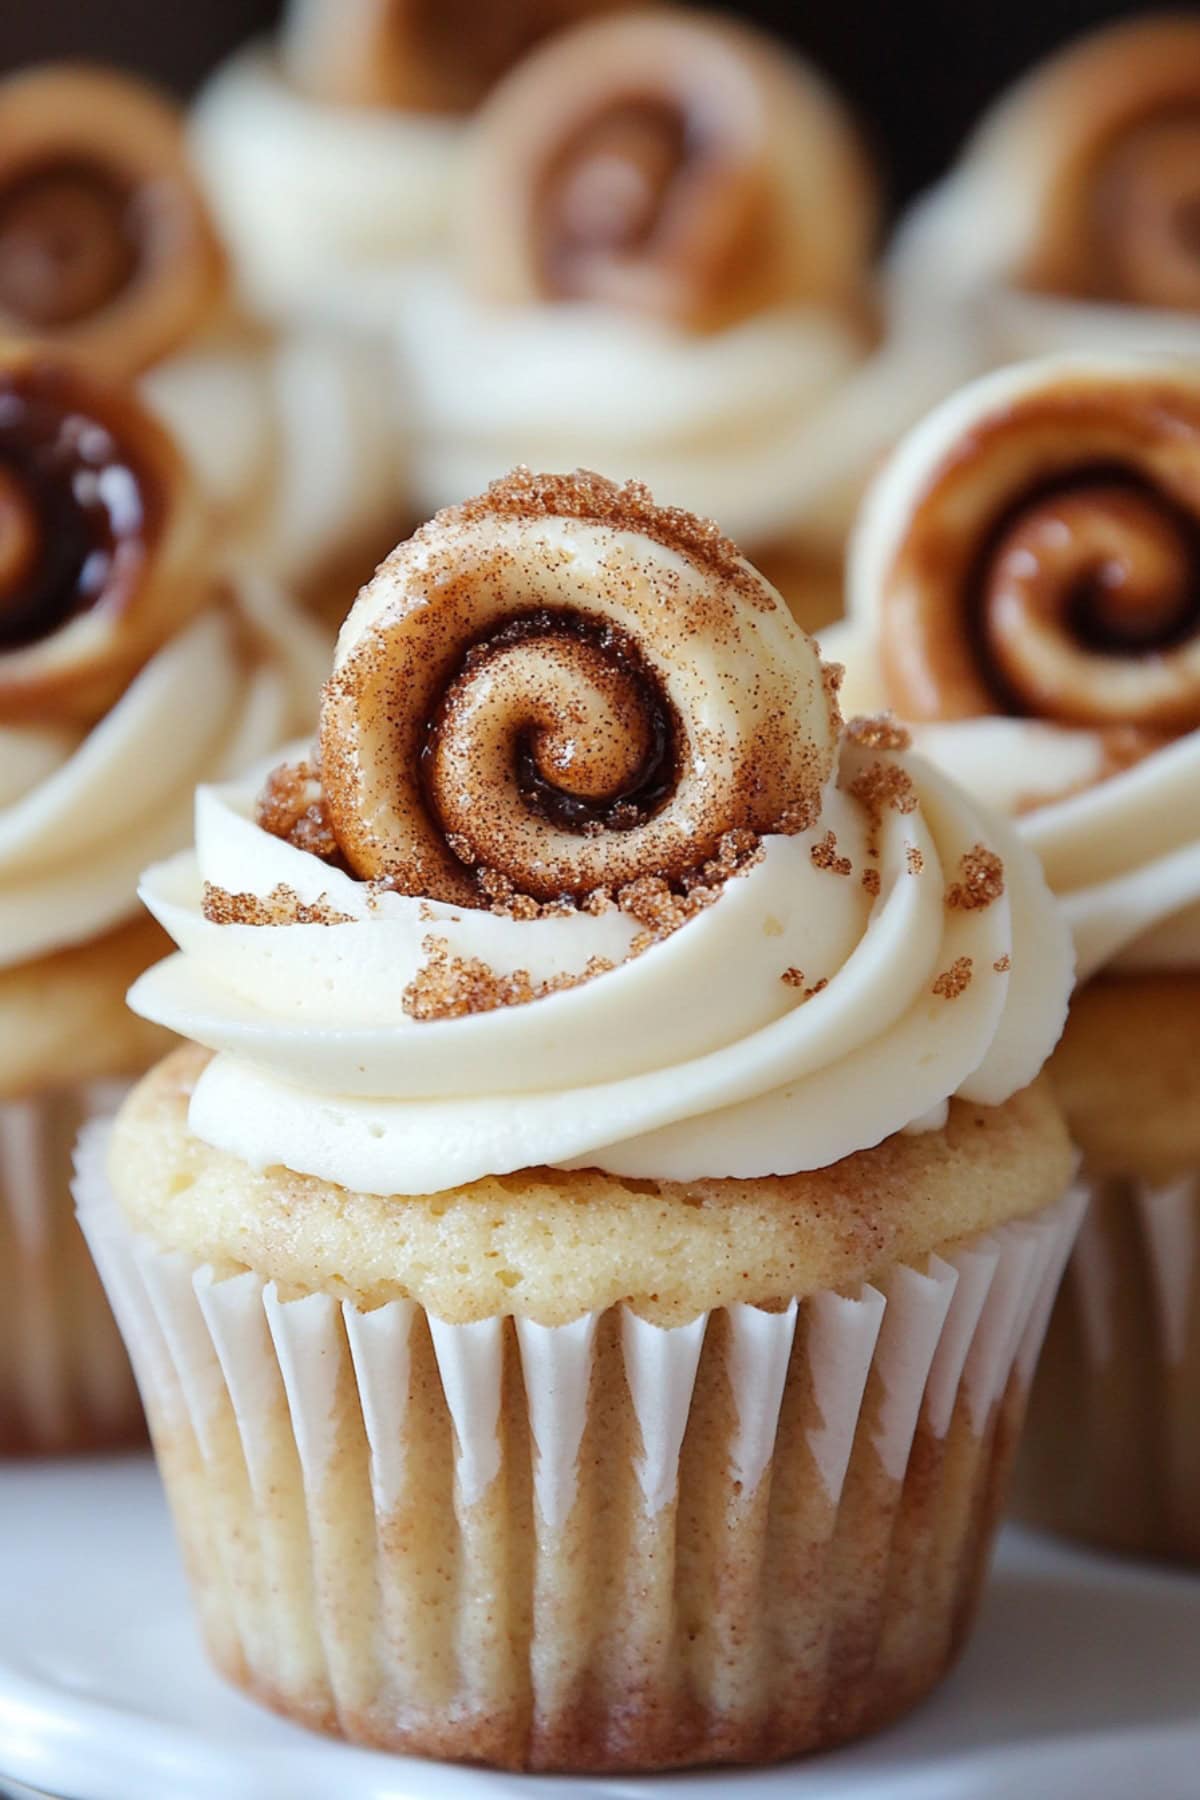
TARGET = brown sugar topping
(884,786)
(1002,964)
(878,731)
(872,881)
(452,987)
(292,807)
(915,859)
(825,856)
(793,977)
(283,906)
(981,880)
(955,980)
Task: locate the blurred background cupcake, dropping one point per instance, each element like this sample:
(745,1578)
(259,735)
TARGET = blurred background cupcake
(1071,220)
(107,250)
(130,667)
(585,1306)
(1025,587)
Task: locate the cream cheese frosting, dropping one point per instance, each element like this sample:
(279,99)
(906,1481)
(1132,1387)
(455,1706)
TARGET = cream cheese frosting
(892,947)
(1120,845)
(80,810)
(323,206)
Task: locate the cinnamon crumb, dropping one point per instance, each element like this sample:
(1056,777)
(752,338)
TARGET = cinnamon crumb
(872,881)
(825,856)
(915,859)
(452,987)
(883,786)
(818,987)
(793,977)
(292,807)
(981,880)
(1002,964)
(282,906)
(878,731)
(955,980)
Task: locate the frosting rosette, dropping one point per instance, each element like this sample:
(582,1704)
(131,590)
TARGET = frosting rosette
(1070,221)
(130,667)
(1025,587)
(588,874)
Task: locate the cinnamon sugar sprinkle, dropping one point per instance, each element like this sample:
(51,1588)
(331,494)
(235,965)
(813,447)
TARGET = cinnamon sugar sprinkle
(955,980)
(451,987)
(825,856)
(1002,964)
(872,881)
(795,978)
(292,806)
(981,880)
(884,786)
(877,731)
(282,906)
(915,858)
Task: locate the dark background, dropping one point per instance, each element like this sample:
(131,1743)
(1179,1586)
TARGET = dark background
(918,72)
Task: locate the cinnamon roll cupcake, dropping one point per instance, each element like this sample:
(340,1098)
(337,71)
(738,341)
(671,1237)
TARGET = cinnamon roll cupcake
(108,252)
(1026,587)
(1072,221)
(585,1273)
(331,155)
(129,669)
(662,262)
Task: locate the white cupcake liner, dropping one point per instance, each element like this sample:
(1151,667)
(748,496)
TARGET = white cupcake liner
(1114,1443)
(65,1380)
(606,1544)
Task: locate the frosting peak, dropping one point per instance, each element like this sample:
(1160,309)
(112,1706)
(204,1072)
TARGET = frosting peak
(795,944)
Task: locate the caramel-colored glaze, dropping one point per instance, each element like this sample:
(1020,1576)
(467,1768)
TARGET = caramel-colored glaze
(1051,565)
(680,166)
(416,55)
(106,247)
(101,536)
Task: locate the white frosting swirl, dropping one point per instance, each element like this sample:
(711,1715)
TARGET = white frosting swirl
(296,441)
(695,1058)
(771,425)
(80,813)
(324,207)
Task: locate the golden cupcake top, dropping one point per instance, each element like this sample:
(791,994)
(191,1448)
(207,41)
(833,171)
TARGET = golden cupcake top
(671,163)
(106,248)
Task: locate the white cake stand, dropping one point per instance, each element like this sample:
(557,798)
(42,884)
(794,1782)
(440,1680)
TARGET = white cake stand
(1082,1683)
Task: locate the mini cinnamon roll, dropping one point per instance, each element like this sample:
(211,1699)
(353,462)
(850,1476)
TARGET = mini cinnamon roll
(561,688)
(1034,551)
(105,243)
(677,165)
(423,55)
(100,531)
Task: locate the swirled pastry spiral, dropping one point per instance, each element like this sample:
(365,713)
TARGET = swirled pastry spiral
(670,163)
(1034,551)
(100,538)
(564,688)
(105,243)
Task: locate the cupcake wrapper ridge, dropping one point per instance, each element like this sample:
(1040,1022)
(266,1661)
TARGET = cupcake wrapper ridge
(1113,1450)
(601,1545)
(65,1380)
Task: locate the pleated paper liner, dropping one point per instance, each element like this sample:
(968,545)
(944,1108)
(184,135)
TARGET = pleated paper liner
(1113,1448)
(604,1545)
(65,1380)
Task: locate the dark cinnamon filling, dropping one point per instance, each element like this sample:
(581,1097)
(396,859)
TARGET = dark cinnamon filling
(69,244)
(641,792)
(75,512)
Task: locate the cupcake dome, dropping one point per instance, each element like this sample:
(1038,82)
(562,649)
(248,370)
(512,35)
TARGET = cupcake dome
(610,1175)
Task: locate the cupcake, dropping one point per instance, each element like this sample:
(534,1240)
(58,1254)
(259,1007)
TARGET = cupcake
(129,668)
(1024,587)
(331,154)
(1072,220)
(585,1273)
(661,260)
(107,251)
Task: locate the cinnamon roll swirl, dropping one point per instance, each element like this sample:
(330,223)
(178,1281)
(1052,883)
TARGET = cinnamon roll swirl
(100,535)
(563,688)
(105,243)
(678,166)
